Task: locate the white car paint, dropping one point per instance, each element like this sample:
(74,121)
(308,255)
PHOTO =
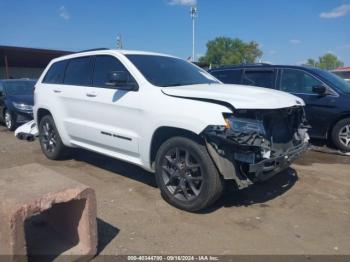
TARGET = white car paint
(82,113)
(239,96)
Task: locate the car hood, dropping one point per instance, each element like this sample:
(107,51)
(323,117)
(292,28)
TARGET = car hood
(22,99)
(238,96)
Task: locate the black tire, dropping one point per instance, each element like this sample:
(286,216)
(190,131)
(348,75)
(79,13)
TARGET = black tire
(50,140)
(341,135)
(9,120)
(194,183)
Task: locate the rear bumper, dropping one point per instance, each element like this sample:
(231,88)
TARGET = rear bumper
(269,167)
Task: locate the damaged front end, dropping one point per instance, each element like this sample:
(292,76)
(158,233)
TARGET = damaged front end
(257,144)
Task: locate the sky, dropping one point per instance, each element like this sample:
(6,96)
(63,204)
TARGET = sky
(288,32)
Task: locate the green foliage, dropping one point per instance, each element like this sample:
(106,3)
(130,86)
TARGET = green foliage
(229,51)
(327,62)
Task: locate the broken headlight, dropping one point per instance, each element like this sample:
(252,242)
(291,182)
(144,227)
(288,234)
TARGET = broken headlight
(244,125)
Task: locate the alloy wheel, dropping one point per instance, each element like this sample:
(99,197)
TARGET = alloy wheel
(8,120)
(49,137)
(344,135)
(182,174)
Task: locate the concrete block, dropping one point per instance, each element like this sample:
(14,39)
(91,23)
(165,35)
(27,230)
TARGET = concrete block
(45,213)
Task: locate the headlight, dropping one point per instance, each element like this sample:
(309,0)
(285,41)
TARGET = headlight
(23,107)
(244,125)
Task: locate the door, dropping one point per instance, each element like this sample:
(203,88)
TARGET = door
(102,117)
(320,109)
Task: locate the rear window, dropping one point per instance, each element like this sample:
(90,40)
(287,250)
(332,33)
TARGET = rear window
(259,78)
(56,73)
(79,72)
(228,76)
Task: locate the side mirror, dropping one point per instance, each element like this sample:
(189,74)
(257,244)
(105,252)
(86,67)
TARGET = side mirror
(1,93)
(121,80)
(320,90)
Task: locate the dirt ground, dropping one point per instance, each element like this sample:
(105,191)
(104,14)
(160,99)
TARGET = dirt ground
(305,210)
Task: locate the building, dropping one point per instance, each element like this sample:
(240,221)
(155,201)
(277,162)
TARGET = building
(22,62)
(343,72)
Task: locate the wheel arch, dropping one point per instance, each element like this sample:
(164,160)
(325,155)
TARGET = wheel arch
(335,121)
(164,133)
(41,113)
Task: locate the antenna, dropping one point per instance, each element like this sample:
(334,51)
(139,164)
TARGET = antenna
(119,41)
(193,13)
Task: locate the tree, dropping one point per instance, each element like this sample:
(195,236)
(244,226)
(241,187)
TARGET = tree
(228,51)
(327,61)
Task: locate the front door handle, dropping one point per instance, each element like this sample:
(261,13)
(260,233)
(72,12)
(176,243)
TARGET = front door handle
(91,95)
(57,91)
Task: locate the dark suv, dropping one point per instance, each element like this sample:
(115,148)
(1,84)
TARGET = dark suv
(16,101)
(326,95)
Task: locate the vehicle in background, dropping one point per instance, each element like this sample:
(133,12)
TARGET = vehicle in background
(327,96)
(16,101)
(169,117)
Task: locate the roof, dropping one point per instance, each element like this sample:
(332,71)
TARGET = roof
(28,57)
(109,51)
(261,66)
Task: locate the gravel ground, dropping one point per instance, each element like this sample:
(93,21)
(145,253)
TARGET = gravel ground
(305,210)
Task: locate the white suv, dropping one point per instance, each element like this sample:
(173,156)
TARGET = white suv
(169,117)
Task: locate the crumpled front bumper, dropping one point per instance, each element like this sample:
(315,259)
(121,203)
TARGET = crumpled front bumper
(249,156)
(267,168)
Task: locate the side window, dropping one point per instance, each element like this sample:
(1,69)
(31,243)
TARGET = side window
(263,78)
(104,66)
(297,81)
(55,73)
(79,71)
(229,76)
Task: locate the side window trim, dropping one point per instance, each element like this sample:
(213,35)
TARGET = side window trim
(229,70)
(273,70)
(43,81)
(334,93)
(118,60)
(91,63)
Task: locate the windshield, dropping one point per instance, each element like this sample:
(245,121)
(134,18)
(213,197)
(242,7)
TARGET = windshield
(167,71)
(337,81)
(19,87)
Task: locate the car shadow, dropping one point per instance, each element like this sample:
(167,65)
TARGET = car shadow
(115,166)
(259,193)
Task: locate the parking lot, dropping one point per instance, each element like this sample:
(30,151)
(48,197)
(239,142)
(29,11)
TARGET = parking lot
(305,210)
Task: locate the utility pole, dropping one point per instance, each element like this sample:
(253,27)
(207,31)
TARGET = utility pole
(119,41)
(193,12)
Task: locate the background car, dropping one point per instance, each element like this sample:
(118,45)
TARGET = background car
(16,102)
(326,95)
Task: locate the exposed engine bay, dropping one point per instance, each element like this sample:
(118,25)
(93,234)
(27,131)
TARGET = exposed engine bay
(257,144)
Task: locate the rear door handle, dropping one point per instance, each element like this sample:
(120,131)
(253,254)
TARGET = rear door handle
(57,91)
(91,94)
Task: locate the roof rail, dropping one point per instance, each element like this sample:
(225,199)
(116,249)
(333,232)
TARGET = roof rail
(94,49)
(243,64)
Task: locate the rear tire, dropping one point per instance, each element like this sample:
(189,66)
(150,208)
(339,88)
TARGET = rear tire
(50,140)
(186,175)
(341,135)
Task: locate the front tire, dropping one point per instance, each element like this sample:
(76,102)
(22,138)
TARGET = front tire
(341,135)
(186,175)
(10,122)
(50,140)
